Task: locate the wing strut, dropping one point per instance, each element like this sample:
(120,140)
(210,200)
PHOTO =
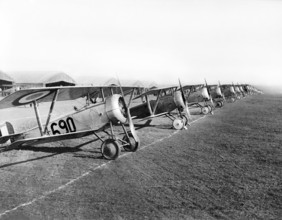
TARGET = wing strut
(157,102)
(149,104)
(131,97)
(102,92)
(51,110)
(38,117)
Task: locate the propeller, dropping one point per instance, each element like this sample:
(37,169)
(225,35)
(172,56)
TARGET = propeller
(130,122)
(209,92)
(185,101)
(222,92)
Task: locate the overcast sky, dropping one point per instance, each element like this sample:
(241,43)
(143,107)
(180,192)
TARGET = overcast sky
(158,40)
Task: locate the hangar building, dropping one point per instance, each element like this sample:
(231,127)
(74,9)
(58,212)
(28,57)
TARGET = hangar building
(41,79)
(6,81)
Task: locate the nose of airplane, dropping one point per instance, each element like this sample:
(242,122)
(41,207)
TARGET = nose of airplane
(179,100)
(232,89)
(205,93)
(218,91)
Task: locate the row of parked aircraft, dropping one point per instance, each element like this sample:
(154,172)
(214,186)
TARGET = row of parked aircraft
(110,106)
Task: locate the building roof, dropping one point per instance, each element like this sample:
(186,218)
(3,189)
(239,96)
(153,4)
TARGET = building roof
(58,77)
(138,83)
(5,77)
(41,77)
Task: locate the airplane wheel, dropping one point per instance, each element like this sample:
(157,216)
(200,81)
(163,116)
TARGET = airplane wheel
(131,144)
(210,108)
(205,110)
(185,120)
(110,149)
(178,123)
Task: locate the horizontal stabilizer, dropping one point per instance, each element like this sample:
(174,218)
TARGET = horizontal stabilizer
(4,139)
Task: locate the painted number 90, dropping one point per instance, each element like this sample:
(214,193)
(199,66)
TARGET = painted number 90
(67,125)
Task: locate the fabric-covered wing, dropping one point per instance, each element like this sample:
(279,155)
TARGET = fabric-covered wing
(48,139)
(23,97)
(186,87)
(155,91)
(154,116)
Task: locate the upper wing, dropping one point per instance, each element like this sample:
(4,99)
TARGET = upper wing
(186,87)
(155,91)
(26,96)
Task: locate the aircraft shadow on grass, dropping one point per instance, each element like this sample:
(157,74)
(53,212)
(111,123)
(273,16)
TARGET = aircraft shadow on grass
(147,124)
(56,151)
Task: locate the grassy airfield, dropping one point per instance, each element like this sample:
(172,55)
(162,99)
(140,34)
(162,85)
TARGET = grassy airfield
(225,166)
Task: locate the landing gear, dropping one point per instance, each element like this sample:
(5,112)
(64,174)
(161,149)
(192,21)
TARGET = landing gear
(219,104)
(178,123)
(210,109)
(205,110)
(110,149)
(130,143)
(185,120)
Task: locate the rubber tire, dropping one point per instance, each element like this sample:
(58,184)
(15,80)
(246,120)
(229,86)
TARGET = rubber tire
(219,104)
(210,108)
(110,149)
(205,110)
(131,147)
(178,124)
(185,120)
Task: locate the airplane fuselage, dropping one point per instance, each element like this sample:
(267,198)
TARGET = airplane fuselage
(165,104)
(89,118)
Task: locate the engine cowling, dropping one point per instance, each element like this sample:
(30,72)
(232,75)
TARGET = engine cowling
(232,89)
(205,93)
(218,91)
(178,100)
(115,108)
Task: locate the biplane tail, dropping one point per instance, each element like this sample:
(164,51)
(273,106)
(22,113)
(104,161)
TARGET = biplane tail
(7,133)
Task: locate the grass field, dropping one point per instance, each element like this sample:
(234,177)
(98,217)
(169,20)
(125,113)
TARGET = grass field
(225,166)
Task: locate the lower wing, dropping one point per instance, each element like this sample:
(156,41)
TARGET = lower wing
(154,116)
(48,139)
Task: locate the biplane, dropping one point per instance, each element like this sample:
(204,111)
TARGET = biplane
(243,91)
(229,92)
(217,95)
(237,91)
(246,89)
(167,100)
(105,107)
(199,96)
